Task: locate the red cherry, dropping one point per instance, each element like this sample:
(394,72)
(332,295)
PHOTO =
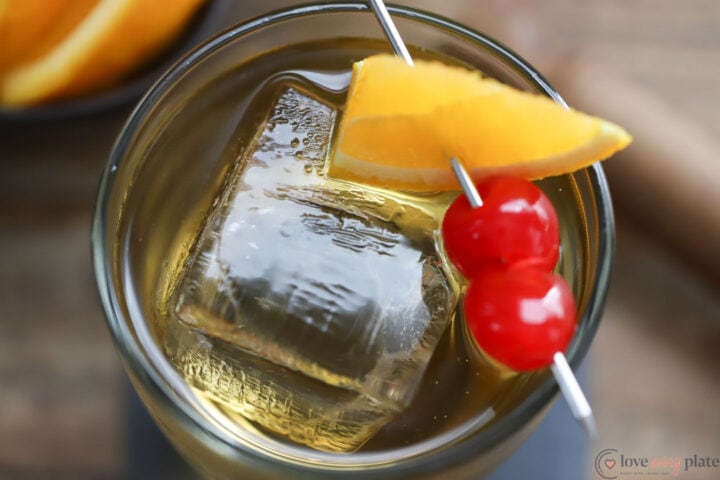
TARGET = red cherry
(520,317)
(516,224)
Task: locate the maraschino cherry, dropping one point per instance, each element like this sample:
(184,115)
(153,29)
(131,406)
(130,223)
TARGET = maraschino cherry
(520,318)
(516,224)
(517,310)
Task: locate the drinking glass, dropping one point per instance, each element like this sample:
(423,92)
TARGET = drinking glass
(170,160)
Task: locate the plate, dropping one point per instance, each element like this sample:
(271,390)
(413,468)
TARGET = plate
(207,21)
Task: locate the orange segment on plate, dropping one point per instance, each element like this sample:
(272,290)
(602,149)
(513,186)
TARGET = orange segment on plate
(30,28)
(86,45)
(402,125)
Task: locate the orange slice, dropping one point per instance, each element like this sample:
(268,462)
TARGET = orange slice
(30,28)
(91,44)
(402,125)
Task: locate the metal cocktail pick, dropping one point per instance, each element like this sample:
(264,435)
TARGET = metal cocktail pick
(391,32)
(564,376)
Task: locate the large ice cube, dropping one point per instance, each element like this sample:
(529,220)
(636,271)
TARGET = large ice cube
(301,408)
(334,282)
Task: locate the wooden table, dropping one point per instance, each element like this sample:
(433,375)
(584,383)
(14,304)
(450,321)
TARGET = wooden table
(655,361)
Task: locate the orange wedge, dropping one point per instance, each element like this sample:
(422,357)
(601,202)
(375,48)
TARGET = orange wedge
(402,125)
(30,28)
(82,45)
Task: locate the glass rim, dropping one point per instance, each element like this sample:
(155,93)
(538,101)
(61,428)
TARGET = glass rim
(151,368)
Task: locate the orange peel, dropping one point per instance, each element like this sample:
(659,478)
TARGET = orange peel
(402,125)
(92,45)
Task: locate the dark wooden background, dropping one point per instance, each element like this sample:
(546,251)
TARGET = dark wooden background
(654,364)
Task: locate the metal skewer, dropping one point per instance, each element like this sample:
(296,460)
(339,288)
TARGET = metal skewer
(466,183)
(573,394)
(391,31)
(569,386)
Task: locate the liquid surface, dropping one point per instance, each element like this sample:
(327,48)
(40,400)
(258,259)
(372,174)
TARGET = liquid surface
(320,311)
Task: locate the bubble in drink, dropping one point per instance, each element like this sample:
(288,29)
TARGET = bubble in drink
(308,305)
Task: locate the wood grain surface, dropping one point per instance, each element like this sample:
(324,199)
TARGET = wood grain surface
(654,364)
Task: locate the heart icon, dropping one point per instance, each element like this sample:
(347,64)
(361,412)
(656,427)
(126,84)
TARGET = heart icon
(610,463)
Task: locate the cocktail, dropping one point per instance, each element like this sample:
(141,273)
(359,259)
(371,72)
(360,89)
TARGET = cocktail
(280,323)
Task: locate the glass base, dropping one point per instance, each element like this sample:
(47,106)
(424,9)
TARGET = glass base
(150,455)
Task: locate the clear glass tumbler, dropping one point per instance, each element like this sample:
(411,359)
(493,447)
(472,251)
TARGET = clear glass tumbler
(170,160)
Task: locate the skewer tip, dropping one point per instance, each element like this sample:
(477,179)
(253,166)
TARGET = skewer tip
(391,31)
(574,396)
(589,425)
